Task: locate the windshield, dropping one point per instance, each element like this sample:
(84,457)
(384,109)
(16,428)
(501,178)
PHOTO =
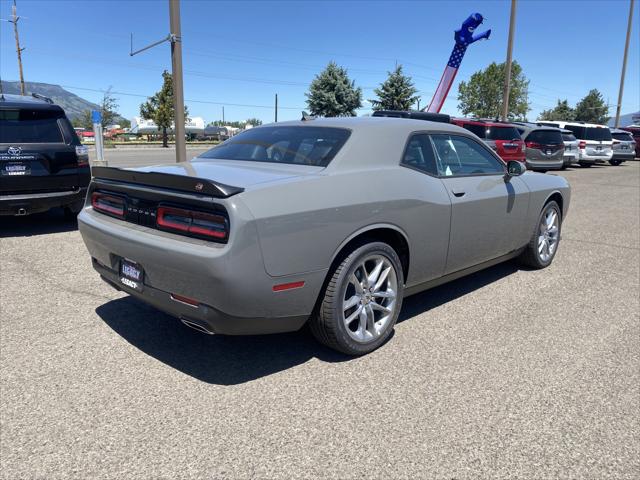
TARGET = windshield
(503,133)
(623,137)
(598,134)
(545,137)
(30,126)
(296,145)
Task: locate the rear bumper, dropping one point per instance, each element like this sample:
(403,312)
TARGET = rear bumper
(28,203)
(628,155)
(545,164)
(234,293)
(204,317)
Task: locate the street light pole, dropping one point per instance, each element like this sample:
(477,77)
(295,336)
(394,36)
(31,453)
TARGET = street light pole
(178,91)
(624,65)
(507,76)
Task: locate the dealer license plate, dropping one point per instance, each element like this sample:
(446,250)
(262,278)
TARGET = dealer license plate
(16,169)
(131,274)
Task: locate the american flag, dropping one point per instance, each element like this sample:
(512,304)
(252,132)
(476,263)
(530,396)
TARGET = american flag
(447,78)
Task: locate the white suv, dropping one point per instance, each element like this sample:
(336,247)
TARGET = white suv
(595,140)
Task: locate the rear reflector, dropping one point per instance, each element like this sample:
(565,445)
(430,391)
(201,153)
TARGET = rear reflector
(109,204)
(288,286)
(192,222)
(189,301)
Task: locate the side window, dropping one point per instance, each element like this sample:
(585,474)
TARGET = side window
(457,155)
(419,154)
(479,130)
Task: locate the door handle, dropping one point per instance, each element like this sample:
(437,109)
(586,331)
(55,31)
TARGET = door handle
(458,193)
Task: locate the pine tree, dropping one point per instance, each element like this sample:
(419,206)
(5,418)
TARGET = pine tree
(396,92)
(562,111)
(159,108)
(333,94)
(592,108)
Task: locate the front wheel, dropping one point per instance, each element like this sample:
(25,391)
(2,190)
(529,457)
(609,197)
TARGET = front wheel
(361,301)
(544,242)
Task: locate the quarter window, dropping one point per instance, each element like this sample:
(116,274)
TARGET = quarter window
(419,154)
(459,156)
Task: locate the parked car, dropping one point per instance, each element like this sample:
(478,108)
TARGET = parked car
(635,131)
(42,163)
(571,149)
(624,146)
(502,137)
(595,140)
(355,215)
(544,146)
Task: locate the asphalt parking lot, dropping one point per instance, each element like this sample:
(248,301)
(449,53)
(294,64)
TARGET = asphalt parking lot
(506,373)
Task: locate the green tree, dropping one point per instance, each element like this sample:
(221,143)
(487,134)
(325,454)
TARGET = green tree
(396,92)
(253,121)
(592,108)
(159,108)
(562,111)
(108,108)
(482,95)
(333,94)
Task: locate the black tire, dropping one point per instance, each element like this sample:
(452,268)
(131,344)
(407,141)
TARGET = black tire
(531,256)
(585,165)
(615,163)
(327,324)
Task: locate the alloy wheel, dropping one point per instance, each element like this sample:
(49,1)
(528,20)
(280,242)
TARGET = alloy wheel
(548,234)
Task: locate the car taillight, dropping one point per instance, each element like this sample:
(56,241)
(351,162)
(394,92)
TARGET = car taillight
(82,152)
(109,204)
(533,145)
(192,222)
(582,144)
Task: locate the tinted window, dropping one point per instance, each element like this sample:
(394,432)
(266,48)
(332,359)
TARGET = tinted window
(568,137)
(623,137)
(550,124)
(419,154)
(598,134)
(545,137)
(479,130)
(578,131)
(503,133)
(456,155)
(30,126)
(298,145)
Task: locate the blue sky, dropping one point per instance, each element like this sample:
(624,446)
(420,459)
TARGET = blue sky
(242,53)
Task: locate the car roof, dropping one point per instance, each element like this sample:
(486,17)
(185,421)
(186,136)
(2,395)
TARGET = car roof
(619,130)
(483,121)
(373,123)
(39,102)
(575,124)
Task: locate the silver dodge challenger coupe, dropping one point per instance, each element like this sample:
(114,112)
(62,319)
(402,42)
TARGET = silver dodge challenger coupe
(329,222)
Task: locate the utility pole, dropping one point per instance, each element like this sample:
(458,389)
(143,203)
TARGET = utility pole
(19,50)
(223,115)
(178,91)
(507,76)
(276,116)
(624,66)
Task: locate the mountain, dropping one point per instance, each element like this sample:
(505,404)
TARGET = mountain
(625,120)
(73,105)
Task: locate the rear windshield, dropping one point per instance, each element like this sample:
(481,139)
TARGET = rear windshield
(30,126)
(577,130)
(598,134)
(545,137)
(296,145)
(479,130)
(503,133)
(568,137)
(623,137)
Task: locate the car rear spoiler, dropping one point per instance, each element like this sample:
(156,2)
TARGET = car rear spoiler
(181,183)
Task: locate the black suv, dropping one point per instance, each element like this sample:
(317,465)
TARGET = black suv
(42,162)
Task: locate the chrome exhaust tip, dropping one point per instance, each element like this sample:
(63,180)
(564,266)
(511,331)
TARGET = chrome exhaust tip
(196,325)
(21,212)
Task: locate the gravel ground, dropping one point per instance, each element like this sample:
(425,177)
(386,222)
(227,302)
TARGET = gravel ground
(506,373)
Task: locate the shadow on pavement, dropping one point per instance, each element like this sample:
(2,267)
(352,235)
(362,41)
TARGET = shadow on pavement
(229,360)
(53,221)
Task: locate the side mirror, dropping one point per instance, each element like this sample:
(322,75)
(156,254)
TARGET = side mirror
(515,168)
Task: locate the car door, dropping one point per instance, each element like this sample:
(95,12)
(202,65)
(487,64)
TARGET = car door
(489,209)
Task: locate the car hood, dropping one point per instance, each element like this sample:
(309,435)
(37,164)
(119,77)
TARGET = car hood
(243,174)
